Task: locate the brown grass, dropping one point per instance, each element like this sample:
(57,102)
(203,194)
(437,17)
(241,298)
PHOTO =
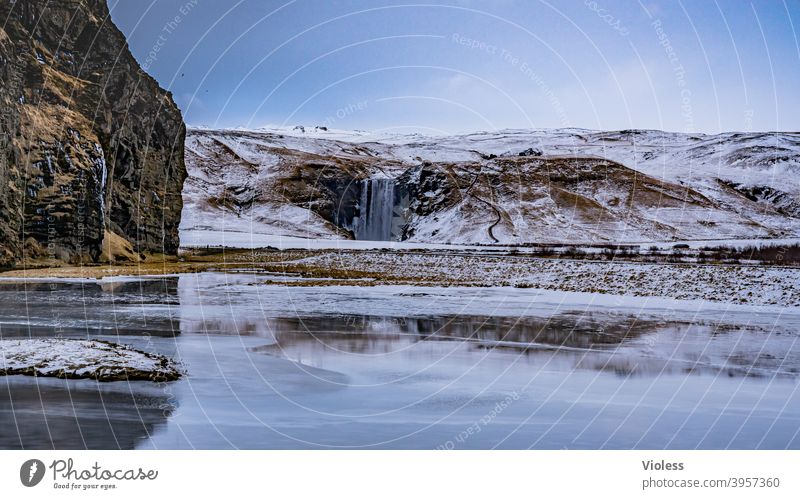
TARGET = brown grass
(117,249)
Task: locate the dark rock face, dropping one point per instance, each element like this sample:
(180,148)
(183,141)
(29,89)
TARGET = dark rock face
(782,202)
(91,148)
(330,189)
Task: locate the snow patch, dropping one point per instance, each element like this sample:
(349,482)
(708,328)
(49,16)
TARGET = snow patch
(83,359)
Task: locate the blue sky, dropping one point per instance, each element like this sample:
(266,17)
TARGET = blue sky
(461,65)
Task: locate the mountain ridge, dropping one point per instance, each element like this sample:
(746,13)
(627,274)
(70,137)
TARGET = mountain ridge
(527,186)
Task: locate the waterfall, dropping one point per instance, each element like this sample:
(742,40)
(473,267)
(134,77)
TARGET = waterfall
(101,165)
(376,209)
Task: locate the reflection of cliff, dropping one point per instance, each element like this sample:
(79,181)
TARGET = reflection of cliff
(619,344)
(310,340)
(79,309)
(564,330)
(91,148)
(207,309)
(65,416)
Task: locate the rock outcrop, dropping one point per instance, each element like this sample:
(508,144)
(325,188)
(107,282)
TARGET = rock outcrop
(91,148)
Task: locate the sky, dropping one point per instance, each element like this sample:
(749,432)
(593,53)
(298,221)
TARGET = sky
(450,66)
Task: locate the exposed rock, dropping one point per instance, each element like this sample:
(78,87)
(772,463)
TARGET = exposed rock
(531,152)
(90,146)
(777,199)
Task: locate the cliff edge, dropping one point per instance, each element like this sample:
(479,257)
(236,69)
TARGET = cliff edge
(91,148)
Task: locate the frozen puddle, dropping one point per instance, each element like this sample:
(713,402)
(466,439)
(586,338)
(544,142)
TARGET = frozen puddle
(83,359)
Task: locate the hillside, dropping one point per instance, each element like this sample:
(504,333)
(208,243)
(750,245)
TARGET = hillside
(516,186)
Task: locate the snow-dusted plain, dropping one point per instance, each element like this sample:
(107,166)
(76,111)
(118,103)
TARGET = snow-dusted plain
(82,359)
(776,287)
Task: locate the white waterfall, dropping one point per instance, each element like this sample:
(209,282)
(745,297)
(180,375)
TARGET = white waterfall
(376,208)
(103,167)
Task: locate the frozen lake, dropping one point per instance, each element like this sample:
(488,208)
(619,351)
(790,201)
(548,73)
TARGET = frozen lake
(272,366)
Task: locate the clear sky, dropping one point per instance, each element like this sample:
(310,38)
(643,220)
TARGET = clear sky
(463,65)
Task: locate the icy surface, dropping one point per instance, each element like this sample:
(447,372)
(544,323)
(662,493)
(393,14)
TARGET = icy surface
(275,367)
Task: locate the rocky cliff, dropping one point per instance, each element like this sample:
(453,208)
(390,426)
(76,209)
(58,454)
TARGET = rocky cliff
(91,148)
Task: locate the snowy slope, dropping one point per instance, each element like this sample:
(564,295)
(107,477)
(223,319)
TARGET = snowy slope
(232,186)
(510,186)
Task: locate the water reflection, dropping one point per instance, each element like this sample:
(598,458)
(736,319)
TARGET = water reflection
(280,367)
(87,308)
(55,414)
(614,343)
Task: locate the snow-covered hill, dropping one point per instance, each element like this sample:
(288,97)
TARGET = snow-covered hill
(511,186)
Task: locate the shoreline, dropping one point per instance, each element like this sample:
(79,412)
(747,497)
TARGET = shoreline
(757,287)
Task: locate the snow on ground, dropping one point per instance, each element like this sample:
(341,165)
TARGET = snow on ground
(270,219)
(80,359)
(198,238)
(734,284)
(419,302)
(761,157)
(725,243)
